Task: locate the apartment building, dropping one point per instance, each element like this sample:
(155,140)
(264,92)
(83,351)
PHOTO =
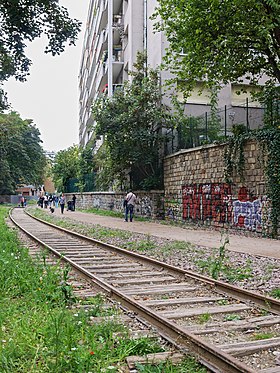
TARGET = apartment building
(116,30)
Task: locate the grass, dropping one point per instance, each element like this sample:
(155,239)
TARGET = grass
(188,365)
(141,245)
(170,247)
(275,293)
(101,212)
(232,317)
(96,231)
(259,336)
(42,329)
(217,265)
(115,214)
(39,329)
(204,318)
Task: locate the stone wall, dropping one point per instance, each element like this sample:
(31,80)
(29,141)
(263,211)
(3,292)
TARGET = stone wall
(7,199)
(195,189)
(149,204)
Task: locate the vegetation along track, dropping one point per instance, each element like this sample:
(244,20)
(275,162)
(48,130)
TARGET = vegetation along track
(229,329)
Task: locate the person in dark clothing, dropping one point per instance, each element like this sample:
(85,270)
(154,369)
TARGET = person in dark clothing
(73,202)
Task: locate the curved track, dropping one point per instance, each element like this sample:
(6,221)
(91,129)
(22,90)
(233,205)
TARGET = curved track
(229,329)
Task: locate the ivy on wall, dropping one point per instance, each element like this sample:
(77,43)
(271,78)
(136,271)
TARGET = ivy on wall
(268,139)
(234,153)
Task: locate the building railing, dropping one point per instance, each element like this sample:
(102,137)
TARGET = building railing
(210,127)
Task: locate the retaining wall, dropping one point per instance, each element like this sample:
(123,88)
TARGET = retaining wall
(195,189)
(149,204)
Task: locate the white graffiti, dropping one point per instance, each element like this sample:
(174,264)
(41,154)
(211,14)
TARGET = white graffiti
(248,214)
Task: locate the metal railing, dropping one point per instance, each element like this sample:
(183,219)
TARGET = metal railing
(211,127)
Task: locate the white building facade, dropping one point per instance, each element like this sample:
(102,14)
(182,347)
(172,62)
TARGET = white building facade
(116,30)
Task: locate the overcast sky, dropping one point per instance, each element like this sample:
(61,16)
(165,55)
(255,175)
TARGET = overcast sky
(51,96)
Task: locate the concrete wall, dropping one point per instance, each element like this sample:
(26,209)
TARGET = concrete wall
(149,204)
(195,189)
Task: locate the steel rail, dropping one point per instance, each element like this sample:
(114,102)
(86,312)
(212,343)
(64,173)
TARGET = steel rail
(214,357)
(268,303)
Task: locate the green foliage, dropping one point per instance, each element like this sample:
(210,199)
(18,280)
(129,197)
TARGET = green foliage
(189,364)
(22,156)
(105,166)
(220,41)
(234,153)
(268,138)
(260,336)
(86,168)
(275,293)
(232,317)
(131,122)
(204,318)
(26,20)
(142,245)
(20,277)
(39,332)
(97,211)
(199,130)
(219,265)
(65,167)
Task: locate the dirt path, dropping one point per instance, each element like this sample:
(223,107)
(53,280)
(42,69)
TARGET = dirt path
(255,246)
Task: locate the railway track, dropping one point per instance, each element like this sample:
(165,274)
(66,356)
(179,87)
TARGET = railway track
(227,328)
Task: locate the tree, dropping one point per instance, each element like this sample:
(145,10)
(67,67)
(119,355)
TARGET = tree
(23,21)
(221,41)
(65,167)
(86,169)
(132,121)
(22,156)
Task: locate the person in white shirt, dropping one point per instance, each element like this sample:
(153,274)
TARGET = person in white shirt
(62,202)
(130,203)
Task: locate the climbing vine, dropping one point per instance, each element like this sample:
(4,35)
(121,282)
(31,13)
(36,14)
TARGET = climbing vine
(269,140)
(234,153)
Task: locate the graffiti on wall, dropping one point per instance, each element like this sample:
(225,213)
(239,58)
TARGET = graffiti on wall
(145,206)
(250,212)
(214,203)
(173,209)
(211,201)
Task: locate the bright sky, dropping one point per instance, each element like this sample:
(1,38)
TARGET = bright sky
(50,96)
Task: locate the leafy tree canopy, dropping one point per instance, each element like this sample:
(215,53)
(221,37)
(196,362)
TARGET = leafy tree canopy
(23,21)
(132,121)
(22,156)
(221,41)
(65,166)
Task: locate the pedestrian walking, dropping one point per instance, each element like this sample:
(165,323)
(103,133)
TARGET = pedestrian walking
(46,202)
(22,201)
(130,203)
(50,199)
(62,202)
(41,201)
(56,200)
(73,202)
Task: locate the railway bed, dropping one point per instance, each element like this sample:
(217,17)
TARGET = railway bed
(229,329)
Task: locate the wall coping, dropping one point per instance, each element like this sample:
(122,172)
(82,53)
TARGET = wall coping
(114,193)
(190,150)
